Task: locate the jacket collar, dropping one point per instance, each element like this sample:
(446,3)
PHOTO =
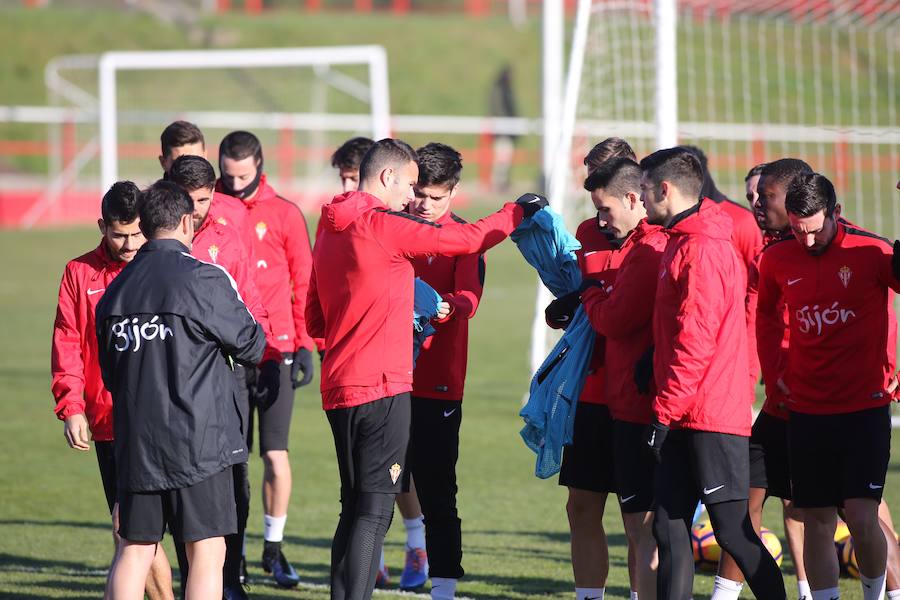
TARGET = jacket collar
(165,245)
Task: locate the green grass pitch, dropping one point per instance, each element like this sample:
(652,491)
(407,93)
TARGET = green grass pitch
(56,542)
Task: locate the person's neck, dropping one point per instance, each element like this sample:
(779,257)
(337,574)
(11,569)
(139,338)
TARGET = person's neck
(173,235)
(677,207)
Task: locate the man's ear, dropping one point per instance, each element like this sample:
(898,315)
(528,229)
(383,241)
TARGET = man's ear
(837,211)
(101,225)
(632,199)
(665,189)
(187,225)
(386,177)
(454,191)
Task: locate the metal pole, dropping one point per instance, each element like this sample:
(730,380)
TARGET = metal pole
(109,158)
(666,92)
(553,32)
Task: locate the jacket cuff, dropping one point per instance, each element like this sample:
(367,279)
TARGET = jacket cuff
(67,409)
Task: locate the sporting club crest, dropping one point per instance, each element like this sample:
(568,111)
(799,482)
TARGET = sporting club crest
(222,221)
(395,472)
(844,273)
(261,229)
(213,252)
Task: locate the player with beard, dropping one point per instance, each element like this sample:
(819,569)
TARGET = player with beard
(82,401)
(280,247)
(835,282)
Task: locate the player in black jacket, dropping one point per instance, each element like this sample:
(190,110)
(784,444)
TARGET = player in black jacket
(168,329)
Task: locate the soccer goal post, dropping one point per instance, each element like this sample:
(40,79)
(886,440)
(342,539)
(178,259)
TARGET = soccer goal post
(112,64)
(745,81)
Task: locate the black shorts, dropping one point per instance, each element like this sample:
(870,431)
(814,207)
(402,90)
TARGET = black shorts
(634,467)
(370,441)
(106,460)
(835,457)
(587,463)
(274,421)
(701,465)
(203,510)
(769,458)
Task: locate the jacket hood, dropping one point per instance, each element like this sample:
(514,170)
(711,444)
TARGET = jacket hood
(707,218)
(346,208)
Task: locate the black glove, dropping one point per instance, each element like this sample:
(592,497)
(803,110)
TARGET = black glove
(643,371)
(531,203)
(559,313)
(655,436)
(266,384)
(895,260)
(302,362)
(589,283)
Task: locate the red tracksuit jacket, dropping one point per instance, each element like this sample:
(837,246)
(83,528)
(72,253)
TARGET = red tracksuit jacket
(700,327)
(76,382)
(624,316)
(222,245)
(361,290)
(228,210)
(280,247)
(771,350)
(594,259)
(440,371)
(841,355)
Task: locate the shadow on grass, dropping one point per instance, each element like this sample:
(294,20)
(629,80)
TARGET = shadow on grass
(29,564)
(42,578)
(530,586)
(104,525)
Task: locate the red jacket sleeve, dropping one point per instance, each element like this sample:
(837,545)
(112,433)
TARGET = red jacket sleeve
(886,269)
(468,285)
(66,361)
(628,307)
(315,319)
(299,257)
(770,326)
(699,314)
(410,237)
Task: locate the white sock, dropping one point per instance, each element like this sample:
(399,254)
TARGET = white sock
(443,588)
(415,532)
(894,594)
(726,589)
(826,594)
(273,528)
(589,593)
(803,591)
(633,595)
(873,587)
(381,563)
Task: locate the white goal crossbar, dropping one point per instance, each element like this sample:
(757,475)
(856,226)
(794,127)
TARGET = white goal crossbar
(111,63)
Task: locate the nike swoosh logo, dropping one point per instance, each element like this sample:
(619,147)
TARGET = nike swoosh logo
(652,439)
(708,491)
(447,413)
(624,500)
(563,318)
(793,281)
(872,486)
(91,292)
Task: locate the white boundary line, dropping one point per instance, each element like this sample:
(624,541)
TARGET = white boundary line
(18,568)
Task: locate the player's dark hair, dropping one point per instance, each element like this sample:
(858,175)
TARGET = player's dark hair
(120,203)
(617,177)
(784,171)
(609,148)
(754,171)
(161,207)
(383,154)
(238,145)
(677,165)
(708,189)
(180,133)
(351,153)
(810,193)
(192,173)
(439,164)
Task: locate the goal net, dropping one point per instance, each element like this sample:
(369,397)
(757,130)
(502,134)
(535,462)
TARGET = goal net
(301,102)
(813,79)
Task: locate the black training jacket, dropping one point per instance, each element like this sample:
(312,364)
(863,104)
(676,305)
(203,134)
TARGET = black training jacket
(166,329)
